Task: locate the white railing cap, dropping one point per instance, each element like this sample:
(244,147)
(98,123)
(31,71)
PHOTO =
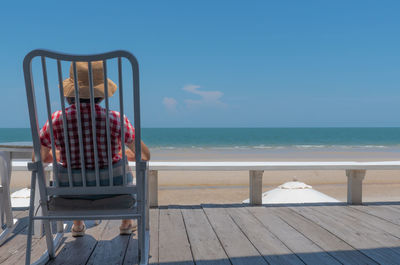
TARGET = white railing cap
(21,165)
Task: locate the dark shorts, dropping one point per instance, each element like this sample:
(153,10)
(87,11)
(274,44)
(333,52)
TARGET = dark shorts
(63,180)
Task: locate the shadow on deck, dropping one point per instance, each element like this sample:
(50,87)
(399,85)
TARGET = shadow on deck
(236,234)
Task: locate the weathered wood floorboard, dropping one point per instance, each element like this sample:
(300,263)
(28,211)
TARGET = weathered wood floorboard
(38,245)
(307,250)
(16,242)
(359,238)
(385,212)
(205,245)
(173,242)
(383,231)
(111,247)
(370,220)
(269,246)
(330,243)
(394,206)
(131,255)
(154,231)
(237,246)
(78,250)
(234,234)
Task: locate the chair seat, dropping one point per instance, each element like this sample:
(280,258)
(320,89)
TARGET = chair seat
(125,201)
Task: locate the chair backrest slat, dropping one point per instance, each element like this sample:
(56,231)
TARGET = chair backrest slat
(79,121)
(49,114)
(136,109)
(109,157)
(93,118)
(65,124)
(122,116)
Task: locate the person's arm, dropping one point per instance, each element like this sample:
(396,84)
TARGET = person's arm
(45,153)
(130,138)
(130,152)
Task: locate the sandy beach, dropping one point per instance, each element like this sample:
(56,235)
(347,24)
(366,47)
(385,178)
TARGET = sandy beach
(194,187)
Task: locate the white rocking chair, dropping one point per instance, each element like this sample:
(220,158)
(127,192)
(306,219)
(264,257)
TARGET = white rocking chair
(48,193)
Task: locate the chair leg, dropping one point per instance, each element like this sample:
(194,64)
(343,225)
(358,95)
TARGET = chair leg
(2,210)
(140,238)
(55,242)
(7,222)
(6,232)
(52,244)
(49,238)
(30,220)
(29,242)
(143,242)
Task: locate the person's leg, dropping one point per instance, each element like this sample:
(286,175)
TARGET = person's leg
(127,227)
(78,228)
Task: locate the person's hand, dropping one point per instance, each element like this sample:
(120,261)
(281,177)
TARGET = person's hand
(130,155)
(48,157)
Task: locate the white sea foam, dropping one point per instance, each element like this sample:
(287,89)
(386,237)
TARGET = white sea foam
(280,147)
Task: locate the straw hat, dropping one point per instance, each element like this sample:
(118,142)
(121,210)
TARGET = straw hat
(83,81)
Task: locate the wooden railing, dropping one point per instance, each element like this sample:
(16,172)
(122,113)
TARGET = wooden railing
(355,172)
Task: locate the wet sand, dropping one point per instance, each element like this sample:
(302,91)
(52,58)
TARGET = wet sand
(195,187)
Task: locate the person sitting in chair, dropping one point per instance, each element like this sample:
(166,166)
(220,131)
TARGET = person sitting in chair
(78,228)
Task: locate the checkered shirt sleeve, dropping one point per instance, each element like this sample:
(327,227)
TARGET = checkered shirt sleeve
(44,134)
(115,124)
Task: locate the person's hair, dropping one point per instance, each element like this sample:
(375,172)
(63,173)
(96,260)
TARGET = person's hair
(71,100)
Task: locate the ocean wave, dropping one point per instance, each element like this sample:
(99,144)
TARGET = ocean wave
(279,147)
(306,146)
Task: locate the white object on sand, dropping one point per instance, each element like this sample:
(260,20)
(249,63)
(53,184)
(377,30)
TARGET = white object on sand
(294,192)
(20,198)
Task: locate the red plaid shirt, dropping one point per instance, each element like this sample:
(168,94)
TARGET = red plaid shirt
(101,135)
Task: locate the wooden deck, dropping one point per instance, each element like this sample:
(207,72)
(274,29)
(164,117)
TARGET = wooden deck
(237,234)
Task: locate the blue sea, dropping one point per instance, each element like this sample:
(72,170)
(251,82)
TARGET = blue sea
(252,138)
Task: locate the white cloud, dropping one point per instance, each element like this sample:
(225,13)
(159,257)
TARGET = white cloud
(207,97)
(170,103)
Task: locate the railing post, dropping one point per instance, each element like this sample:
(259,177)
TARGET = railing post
(153,188)
(354,186)
(255,186)
(5,171)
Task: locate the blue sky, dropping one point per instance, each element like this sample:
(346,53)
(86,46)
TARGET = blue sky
(225,63)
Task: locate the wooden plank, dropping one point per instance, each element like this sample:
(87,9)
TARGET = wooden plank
(174,246)
(385,212)
(39,246)
(74,250)
(16,242)
(237,246)
(131,251)
(359,238)
(336,247)
(308,251)
(111,247)
(205,245)
(384,218)
(393,207)
(19,257)
(385,232)
(269,246)
(154,232)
